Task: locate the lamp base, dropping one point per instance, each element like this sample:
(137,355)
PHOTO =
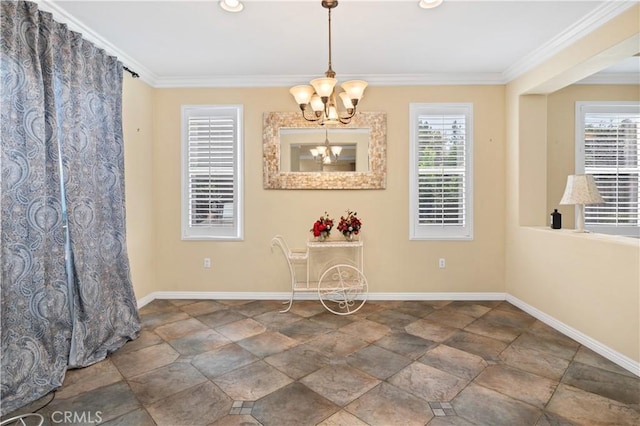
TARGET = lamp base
(580,219)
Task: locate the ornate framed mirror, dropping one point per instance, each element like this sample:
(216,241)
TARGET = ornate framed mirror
(298,154)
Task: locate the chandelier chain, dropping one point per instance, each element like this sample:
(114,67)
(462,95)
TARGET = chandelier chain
(330,72)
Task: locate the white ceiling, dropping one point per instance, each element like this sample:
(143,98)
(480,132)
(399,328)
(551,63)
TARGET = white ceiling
(196,43)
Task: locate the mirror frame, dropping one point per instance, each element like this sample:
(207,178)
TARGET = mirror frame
(275,178)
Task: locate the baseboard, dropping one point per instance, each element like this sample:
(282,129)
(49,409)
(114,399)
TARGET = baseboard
(613,356)
(599,348)
(312,295)
(437,296)
(146,299)
(224,295)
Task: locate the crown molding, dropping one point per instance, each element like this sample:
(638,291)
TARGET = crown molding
(74,24)
(428,79)
(230,81)
(611,78)
(432,79)
(596,18)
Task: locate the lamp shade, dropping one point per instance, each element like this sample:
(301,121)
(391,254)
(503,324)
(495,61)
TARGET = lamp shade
(316,103)
(581,189)
(324,86)
(302,94)
(354,88)
(345,100)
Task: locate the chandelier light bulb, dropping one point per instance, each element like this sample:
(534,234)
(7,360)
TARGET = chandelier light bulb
(333,113)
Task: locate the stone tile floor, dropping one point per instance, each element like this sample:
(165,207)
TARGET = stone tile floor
(437,363)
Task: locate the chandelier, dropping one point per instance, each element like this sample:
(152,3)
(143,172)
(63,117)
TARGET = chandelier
(326,153)
(321,95)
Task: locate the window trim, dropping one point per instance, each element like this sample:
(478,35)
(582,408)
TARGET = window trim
(421,232)
(581,108)
(220,233)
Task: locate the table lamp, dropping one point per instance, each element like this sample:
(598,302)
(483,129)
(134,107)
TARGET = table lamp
(581,190)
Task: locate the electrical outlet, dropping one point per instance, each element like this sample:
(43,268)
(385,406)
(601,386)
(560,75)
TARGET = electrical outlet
(207,262)
(442,263)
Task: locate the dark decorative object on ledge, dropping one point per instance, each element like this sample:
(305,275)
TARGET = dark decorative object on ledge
(556,219)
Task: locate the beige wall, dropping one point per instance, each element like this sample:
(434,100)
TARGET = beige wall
(393,264)
(137,126)
(589,282)
(561,136)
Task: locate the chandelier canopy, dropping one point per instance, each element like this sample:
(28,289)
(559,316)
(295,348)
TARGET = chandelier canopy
(321,94)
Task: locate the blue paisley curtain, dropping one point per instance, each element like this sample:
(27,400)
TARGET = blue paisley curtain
(67,299)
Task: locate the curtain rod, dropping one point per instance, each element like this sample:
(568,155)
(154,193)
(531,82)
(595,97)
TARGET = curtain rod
(133,73)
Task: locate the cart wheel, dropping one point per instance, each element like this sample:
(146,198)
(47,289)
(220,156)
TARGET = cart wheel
(343,289)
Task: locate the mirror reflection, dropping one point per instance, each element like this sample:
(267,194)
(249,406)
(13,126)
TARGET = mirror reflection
(324,150)
(331,158)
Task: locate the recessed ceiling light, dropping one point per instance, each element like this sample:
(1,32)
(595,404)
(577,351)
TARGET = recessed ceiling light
(429,4)
(231,5)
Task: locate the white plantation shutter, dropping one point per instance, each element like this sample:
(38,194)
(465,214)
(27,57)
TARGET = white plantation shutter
(212,156)
(607,148)
(441,160)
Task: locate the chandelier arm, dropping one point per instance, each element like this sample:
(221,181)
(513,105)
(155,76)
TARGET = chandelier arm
(314,117)
(350,113)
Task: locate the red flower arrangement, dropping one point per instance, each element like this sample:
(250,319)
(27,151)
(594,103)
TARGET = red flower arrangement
(349,224)
(322,227)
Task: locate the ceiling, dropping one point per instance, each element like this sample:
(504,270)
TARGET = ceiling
(280,43)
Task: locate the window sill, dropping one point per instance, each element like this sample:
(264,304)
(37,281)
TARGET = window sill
(592,236)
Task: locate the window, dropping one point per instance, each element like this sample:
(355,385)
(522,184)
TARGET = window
(212,172)
(441,159)
(607,145)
